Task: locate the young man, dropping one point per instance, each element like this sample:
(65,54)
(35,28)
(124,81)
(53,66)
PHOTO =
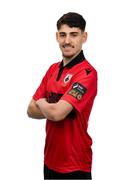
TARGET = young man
(65,98)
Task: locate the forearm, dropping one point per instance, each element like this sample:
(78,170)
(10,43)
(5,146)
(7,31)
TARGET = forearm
(47,109)
(34,111)
(54,111)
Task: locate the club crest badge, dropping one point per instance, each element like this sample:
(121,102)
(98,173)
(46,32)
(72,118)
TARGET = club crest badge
(67,78)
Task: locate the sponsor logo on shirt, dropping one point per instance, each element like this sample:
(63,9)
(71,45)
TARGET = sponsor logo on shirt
(77,90)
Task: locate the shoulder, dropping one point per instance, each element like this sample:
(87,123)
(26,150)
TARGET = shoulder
(85,70)
(53,66)
(89,69)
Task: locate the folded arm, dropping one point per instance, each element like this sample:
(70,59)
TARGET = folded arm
(34,111)
(54,111)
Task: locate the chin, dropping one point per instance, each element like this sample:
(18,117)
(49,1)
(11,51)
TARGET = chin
(68,55)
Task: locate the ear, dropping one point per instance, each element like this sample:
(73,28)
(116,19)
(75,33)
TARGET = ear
(85,35)
(57,36)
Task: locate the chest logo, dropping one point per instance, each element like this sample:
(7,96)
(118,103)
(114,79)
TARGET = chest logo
(67,78)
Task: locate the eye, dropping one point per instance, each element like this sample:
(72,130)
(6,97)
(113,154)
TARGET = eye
(74,34)
(62,35)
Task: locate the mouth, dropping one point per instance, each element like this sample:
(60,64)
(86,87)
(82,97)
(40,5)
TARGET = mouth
(67,46)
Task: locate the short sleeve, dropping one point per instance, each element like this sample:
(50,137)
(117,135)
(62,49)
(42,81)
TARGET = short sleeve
(83,90)
(41,90)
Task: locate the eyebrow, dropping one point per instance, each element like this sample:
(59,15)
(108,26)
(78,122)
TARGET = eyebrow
(74,32)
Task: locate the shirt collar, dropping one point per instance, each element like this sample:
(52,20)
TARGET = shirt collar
(79,58)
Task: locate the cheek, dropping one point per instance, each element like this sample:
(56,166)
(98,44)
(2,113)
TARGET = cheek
(78,43)
(61,42)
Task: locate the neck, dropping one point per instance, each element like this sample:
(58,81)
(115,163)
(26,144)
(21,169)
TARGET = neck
(67,60)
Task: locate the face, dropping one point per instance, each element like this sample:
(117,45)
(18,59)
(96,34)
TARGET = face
(70,40)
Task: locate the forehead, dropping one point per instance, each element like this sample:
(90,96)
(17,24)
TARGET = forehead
(65,28)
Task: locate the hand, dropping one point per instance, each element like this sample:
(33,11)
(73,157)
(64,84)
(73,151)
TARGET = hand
(41,102)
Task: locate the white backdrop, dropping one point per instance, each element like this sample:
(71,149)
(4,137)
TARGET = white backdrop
(27,48)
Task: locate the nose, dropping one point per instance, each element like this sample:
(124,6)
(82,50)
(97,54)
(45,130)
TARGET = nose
(67,39)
